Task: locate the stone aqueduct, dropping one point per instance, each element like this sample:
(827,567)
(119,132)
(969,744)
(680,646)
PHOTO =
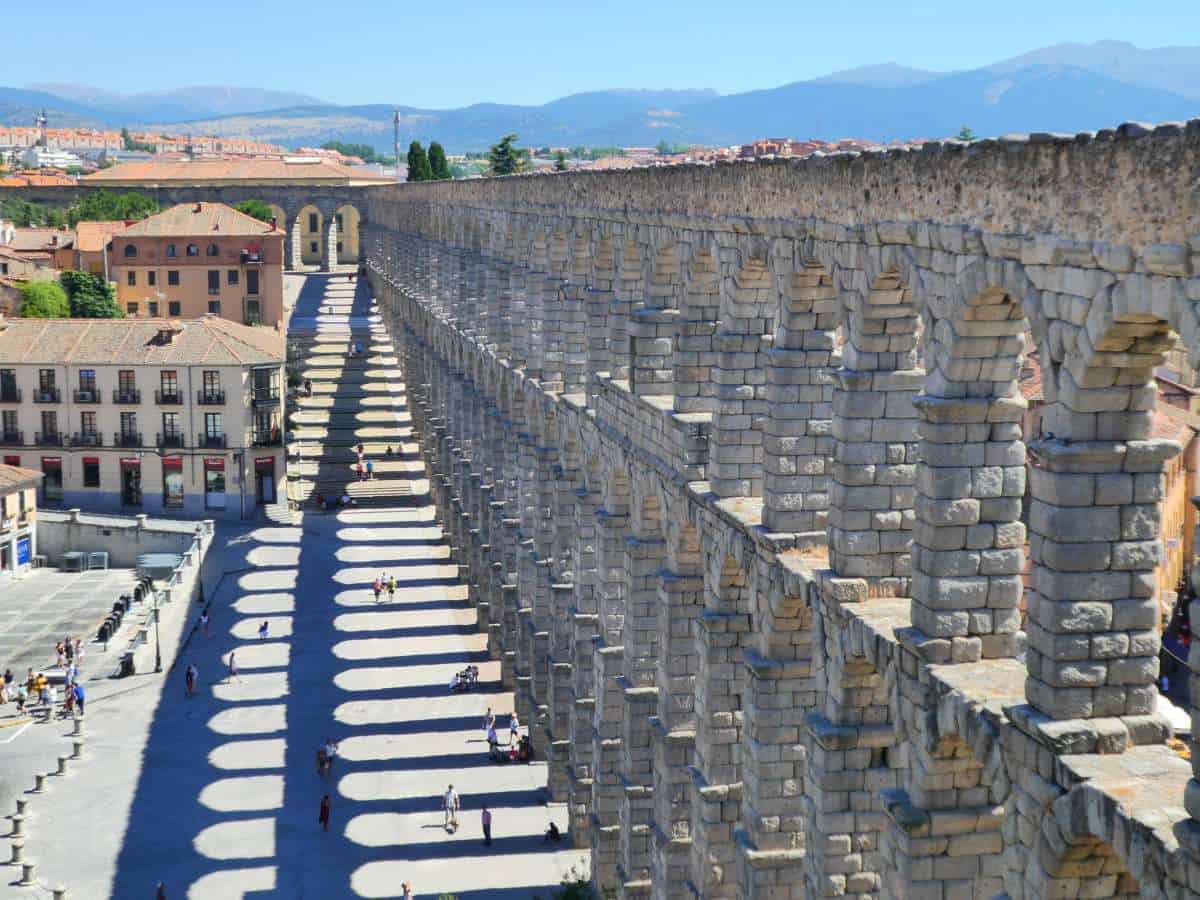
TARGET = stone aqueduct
(732,457)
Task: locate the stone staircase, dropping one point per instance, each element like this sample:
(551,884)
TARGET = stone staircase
(357,399)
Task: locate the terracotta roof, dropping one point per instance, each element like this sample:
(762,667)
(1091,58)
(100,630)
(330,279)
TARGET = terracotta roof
(136,342)
(37,180)
(1173,424)
(13,477)
(92,237)
(190,219)
(26,240)
(288,169)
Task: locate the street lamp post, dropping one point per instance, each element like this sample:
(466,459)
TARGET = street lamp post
(157,639)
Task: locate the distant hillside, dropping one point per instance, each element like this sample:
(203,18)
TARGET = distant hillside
(19,107)
(175,105)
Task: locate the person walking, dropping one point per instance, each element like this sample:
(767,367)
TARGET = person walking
(160,892)
(407,891)
(359,469)
(391,589)
(264,629)
(377,587)
(189,679)
(69,649)
(493,743)
(323,815)
(204,622)
(233,672)
(514,728)
(489,719)
(486,819)
(370,470)
(77,693)
(450,803)
(79,651)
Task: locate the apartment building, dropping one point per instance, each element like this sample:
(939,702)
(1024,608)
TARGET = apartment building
(198,259)
(164,416)
(18,519)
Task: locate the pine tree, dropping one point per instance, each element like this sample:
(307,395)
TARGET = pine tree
(504,158)
(438,166)
(418,163)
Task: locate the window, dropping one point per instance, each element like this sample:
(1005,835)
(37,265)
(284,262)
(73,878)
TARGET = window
(169,382)
(128,424)
(312,246)
(91,472)
(339,247)
(339,221)
(10,421)
(152,278)
(212,250)
(214,307)
(171,424)
(252,282)
(3,268)
(214,281)
(253,313)
(173,482)
(87,423)
(52,483)
(131,278)
(49,423)
(87,380)
(171,251)
(312,222)
(131,308)
(125,381)
(193,249)
(212,382)
(152,307)
(130,251)
(214,484)
(45,380)
(172,278)
(233,276)
(212,425)
(172,307)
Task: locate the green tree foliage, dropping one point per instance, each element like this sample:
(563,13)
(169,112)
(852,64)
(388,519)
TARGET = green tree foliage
(504,158)
(365,152)
(90,296)
(418,163)
(24,214)
(105,206)
(667,148)
(965,134)
(560,162)
(128,143)
(439,168)
(256,208)
(44,300)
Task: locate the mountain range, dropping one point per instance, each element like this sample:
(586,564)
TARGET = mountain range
(1065,87)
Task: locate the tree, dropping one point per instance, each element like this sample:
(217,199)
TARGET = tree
(105,206)
(44,300)
(128,143)
(365,152)
(439,168)
(90,296)
(256,208)
(560,162)
(965,134)
(506,159)
(418,163)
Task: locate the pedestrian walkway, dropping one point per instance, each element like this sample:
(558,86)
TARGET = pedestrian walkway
(227,799)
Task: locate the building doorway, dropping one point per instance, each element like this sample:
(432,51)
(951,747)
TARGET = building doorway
(131,482)
(264,480)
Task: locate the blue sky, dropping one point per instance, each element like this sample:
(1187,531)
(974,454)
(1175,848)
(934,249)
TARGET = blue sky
(440,54)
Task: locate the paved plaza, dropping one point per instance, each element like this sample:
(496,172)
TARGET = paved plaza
(217,795)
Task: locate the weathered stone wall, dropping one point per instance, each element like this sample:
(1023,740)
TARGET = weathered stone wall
(733,459)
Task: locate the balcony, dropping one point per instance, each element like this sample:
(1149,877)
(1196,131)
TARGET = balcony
(127,439)
(12,438)
(270,438)
(87,439)
(251,258)
(47,395)
(265,394)
(48,439)
(10,395)
(170,439)
(92,396)
(210,398)
(127,396)
(168,398)
(210,441)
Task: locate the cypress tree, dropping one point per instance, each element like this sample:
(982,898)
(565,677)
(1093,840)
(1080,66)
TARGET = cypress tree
(438,166)
(418,163)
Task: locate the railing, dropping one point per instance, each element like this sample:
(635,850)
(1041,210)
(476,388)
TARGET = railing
(127,439)
(272,438)
(87,439)
(47,395)
(92,396)
(265,393)
(211,441)
(248,257)
(131,396)
(171,439)
(210,398)
(12,438)
(48,440)
(10,395)
(168,398)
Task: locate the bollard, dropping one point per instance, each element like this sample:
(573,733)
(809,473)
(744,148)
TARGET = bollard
(18,851)
(78,729)
(77,752)
(22,803)
(60,893)
(18,825)
(39,784)
(62,765)
(26,874)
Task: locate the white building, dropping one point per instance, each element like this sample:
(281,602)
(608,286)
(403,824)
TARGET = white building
(44,157)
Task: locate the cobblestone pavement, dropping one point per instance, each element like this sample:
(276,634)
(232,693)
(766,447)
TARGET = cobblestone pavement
(225,790)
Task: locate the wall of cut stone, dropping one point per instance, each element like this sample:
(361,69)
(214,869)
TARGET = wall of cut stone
(732,459)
